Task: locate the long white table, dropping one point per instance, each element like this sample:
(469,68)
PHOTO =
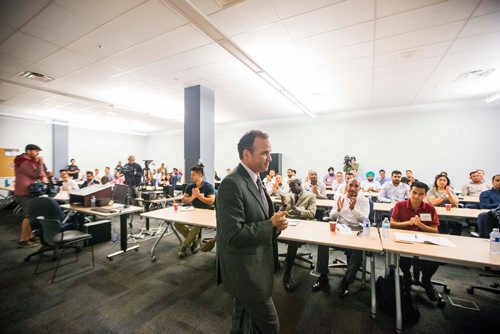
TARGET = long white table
(441,211)
(468,251)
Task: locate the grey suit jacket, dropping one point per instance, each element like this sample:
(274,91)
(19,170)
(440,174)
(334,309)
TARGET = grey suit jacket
(245,236)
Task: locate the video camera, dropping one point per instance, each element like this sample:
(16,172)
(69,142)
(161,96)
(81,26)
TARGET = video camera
(147,163)
(347,160)
(38,189)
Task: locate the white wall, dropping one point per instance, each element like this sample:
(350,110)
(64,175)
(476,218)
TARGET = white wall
(18,133)
(166,148)
(427,139)
(98,149)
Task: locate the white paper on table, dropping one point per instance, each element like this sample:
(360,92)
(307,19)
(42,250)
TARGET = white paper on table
(344,229)
(293,222)
(186,208)
(423,239)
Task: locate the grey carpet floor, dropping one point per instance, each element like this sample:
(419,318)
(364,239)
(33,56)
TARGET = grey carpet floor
(132,294)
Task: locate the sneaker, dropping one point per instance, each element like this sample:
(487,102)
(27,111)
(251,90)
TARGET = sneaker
(431,292)
(344,288)
(34,239)
(320,284)
(26,244)
(182,252)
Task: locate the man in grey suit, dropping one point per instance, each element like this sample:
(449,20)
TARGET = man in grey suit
(246,238)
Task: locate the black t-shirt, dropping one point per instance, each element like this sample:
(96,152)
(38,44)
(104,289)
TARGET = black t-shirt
(205,189)
(72,168)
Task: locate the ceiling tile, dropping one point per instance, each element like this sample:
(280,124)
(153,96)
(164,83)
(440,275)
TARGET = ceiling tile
(8,91)
(433,50)
(418,38)
(133,57)
(441,13)
(471,56)
(58,25)
(487,7)
(62,62)
(178,40)
(99,11)
(99,44)
(96,72)
(346,66)
(207,7)
(244,16)
(332,17)
(481,25)
(478,42)
(288,8)
(337,38)
(410,66)
(27,47)
(204,55)
(260,40)
(15,13)
(226,66)
(391,7)
(419,76)
(145,21)
(11,66)
(177,78)
(343,54)
(5,32)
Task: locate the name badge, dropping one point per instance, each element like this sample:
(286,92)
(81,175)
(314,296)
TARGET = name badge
(425,217)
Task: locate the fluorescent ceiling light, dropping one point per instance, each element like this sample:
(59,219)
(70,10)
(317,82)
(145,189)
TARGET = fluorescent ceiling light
(290,97)
(271,81)
(492,98)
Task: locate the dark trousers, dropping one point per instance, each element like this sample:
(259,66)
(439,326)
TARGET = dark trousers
(428,269)
(486,223)
(450,227)
(291,253)
(255,317)
(354,259)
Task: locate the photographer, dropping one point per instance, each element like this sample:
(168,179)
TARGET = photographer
(132,172)
(347,164)
(28,168)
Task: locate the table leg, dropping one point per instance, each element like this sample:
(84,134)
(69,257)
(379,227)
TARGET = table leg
(399,318)
(123,239)
(146,208)
(363,272)
(372,286)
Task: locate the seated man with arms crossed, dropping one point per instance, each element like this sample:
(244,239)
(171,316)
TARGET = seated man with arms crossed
(89,179)
(416,215)
(201,195)
(351,209)
(68,184)
(394,190)
(315,186)
(278,188)
(299,204)
(475,187)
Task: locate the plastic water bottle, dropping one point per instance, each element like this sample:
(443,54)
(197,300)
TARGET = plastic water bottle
(495,241)
(92,202)
(386,228)
(6,183)
(366,228)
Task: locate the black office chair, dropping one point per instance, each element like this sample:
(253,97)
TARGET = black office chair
(49,208)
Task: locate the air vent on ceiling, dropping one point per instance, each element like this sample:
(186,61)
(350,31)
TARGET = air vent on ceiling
(36,76)
(475,74)
(409,55)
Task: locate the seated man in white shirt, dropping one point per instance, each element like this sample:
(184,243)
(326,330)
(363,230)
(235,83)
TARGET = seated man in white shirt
(395,190)
(315,186)
(357,176)
(277,188)
(68,184)
(342,188)
(270,178)
(289,175)
(370,184)
(351,209)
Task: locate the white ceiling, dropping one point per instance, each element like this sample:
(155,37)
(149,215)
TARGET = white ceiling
(332,55)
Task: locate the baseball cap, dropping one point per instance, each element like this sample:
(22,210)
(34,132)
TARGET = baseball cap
(32,147)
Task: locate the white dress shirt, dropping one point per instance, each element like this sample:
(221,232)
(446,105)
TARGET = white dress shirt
(351,217)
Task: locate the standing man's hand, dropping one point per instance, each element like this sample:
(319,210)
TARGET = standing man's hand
(278,220)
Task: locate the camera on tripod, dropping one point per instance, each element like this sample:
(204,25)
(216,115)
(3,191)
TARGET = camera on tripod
(147,163)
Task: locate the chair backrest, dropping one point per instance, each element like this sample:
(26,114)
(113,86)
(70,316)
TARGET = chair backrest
(46,207)
(371,215)
(50,227)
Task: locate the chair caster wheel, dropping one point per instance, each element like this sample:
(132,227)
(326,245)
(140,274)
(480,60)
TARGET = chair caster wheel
(110,259)
(137,249)
(153,259)
(374,316)
(470,291)
(447,290)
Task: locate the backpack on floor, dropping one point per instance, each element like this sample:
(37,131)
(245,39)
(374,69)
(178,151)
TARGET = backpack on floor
(386,299)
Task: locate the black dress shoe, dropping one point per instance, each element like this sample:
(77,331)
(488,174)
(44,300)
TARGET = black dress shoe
(431,292)
(344,288)
(288,283)
(321,283)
